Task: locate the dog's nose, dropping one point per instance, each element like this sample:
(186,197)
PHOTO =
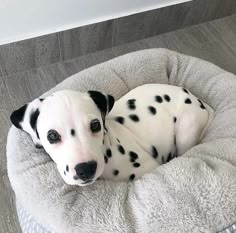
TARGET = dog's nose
(86,171)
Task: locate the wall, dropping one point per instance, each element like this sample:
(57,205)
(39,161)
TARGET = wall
(23,19)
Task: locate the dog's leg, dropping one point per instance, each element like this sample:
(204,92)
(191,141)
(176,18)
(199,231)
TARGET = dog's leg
(188,129)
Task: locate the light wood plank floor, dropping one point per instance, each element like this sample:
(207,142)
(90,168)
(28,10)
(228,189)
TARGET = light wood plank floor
(213,41)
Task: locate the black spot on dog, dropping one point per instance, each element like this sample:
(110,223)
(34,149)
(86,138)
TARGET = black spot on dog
(134,117)
(158,99)
(67,168)
(132,160)
(188,101)
(175,139)
(152,110)
(105,159)
(41,99)
(131,104)
(175,119)
(121,149)
(120,119)
(169,157)
(185,90)
(154,152)
(133,155)
(115,172)
(72,132)
(201,104)
(38,146)
(167,98)
(131,177)
(136,164)
(65,173)
(118,140)
(131,101)
(33,119)
(108,153)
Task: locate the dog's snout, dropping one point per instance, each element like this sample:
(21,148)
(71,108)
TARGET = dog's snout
(86,171)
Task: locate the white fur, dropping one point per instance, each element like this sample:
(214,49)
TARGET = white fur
(63,111)
(66,110)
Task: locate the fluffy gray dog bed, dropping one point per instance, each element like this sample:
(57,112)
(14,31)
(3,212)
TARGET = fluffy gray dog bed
(193,193)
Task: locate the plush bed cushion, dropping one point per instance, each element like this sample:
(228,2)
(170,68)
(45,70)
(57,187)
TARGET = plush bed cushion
(193,193)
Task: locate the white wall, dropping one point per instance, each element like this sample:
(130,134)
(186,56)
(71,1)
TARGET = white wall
(23,19)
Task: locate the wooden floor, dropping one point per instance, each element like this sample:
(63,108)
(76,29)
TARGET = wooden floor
(213,41)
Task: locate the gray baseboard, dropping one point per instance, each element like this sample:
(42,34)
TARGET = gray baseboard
(49,49)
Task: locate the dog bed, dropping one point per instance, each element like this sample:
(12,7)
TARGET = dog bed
(193,193)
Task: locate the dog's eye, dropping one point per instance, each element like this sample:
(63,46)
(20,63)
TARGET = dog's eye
(95,126)
(53,136)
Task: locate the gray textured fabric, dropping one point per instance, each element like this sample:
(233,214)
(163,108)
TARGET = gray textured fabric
(193,193)
(28,223)
(231,229)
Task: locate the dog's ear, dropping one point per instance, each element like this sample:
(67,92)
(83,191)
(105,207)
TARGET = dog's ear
(104,102)
(25,118)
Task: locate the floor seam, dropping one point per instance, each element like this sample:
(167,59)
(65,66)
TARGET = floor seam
(59,47)
(1,72)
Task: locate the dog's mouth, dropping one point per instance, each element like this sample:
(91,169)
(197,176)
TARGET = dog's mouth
(84,182)
(87,182)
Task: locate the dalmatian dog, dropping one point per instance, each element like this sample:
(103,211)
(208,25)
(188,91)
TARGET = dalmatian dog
(90,136)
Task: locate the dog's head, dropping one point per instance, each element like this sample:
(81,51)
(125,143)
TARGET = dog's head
(70,127)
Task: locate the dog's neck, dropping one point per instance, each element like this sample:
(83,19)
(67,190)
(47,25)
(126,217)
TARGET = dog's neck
(109,135)
(112,134)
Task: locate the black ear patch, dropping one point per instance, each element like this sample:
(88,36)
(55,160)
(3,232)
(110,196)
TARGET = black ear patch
(33,118)
(110,101)
(99,99)
(103,102)
(18,116)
